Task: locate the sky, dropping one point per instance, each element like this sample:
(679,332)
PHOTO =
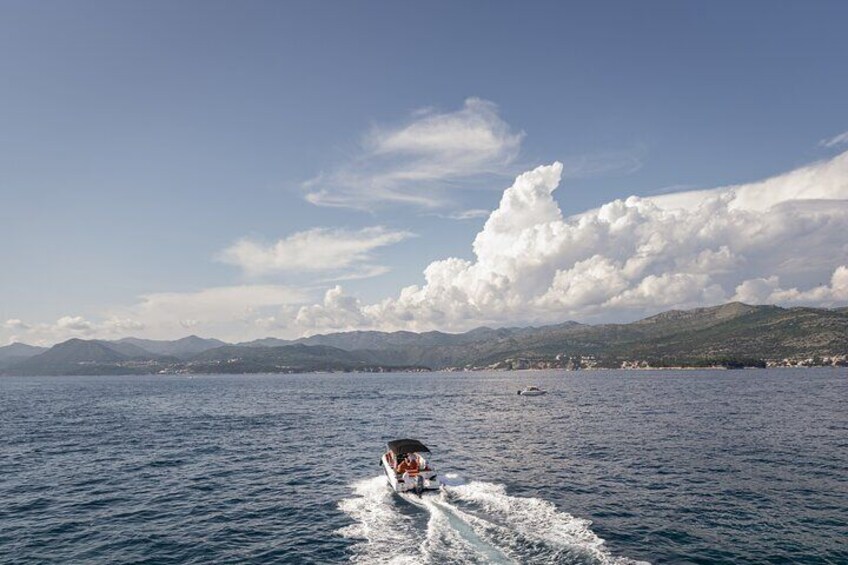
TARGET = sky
(248,169)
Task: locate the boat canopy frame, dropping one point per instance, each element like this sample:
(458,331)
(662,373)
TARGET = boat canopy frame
(400,446)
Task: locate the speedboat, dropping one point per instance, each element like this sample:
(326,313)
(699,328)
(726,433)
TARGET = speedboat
(417,481)
(532,391)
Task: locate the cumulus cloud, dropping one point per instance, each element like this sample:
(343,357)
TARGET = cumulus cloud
(74,324)
(840,139)
(628,258)
(338,312)
(768,291)
(417,162)
(315,250)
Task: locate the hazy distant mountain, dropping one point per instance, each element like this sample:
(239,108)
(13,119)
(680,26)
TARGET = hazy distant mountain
(17,352)
(266,342)
(286,358)
(687,337)
(380,340)
(20,350)
(127,349)
(183,348)
(91,357)
(72,357)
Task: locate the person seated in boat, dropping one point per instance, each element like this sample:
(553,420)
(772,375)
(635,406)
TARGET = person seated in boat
(409,466)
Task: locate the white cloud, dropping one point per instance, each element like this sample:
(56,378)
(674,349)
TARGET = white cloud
(120,326)
(15,325)
(357,273)
(471,214)
(630,257)
(840,139)
(417,162)
(74,324)
(768,291)
(315,250)
(338,312)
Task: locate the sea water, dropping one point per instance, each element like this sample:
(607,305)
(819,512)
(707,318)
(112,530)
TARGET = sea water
(608,467)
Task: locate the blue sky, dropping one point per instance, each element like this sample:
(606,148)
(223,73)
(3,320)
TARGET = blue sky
(141,142)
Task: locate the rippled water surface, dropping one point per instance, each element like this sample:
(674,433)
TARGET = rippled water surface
(609,467)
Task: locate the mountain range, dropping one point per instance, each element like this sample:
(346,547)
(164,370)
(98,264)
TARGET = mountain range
(732,334)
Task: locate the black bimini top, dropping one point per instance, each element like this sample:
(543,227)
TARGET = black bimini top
(407,446)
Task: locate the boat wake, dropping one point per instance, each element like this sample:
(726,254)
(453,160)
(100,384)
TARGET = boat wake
(475,522)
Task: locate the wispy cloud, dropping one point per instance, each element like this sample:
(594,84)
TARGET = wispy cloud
(418,162)
(606,163)
(672,189)
(471,214)
(840,139)
(345,251)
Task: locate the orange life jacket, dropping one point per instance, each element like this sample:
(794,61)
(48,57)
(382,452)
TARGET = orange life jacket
(406,466)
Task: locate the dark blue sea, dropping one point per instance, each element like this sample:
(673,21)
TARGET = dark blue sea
(609,467)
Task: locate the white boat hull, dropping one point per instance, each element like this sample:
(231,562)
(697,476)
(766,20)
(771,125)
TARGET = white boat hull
(427,480)
(532,392)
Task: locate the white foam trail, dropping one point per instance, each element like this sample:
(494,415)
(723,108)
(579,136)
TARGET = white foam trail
(537,519)
(449,528)
(471,523)
(452,480)
(390,536)
(386,531)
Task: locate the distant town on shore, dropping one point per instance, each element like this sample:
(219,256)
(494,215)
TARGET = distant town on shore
(730,336)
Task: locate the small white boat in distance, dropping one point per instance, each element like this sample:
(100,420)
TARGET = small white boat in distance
(532,391)
(407,468)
